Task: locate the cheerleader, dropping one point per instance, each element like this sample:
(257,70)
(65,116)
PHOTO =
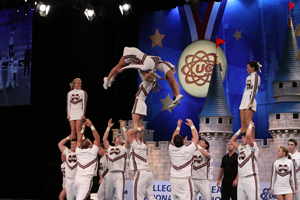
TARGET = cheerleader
(76,106)
(283,176)
(149,81)
(130,55)
(9,81)
(248,104)
(63,193)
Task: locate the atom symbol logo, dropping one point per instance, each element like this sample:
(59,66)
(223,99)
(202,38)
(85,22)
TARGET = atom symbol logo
(195,67)
(198,68)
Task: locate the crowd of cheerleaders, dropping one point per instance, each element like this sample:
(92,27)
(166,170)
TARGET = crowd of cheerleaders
(190,162)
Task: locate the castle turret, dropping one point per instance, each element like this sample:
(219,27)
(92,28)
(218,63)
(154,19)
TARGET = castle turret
(215,119)
(284,121)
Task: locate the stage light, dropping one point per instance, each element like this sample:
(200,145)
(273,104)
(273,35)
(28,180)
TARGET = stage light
(43,9)
(125,9)
(89,13)
(17,9)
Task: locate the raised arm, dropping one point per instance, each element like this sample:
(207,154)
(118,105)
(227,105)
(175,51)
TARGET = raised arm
(80,135)
(233,141)
(61,144)
(95,133)
(195,135)
(105,136)
(205,153)
(177,130)
(249,134)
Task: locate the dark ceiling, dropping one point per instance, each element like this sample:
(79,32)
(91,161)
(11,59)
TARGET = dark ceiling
(107,8)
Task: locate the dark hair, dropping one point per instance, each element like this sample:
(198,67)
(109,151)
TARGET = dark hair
(73,140)
(285,151)
(206,142)
(178,141)
(293,140)
(244,134)
(102,146)
(85,144)
(252,64)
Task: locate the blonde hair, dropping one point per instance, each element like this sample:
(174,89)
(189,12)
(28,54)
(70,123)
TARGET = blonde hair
(152,79)
(284,150)
(73,83)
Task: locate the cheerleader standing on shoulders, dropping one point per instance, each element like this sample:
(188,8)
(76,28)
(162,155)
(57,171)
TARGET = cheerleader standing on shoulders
(76,106)
(248,105)
(283,176)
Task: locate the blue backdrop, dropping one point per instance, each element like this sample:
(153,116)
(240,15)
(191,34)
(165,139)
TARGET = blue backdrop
(262,25)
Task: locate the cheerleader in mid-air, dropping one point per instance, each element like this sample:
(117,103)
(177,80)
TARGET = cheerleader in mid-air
(76,106)
(248,105)
(149,64)
(149,81)
(283,176)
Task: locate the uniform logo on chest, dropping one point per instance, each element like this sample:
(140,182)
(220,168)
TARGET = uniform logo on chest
(72,158)
(242,155)
(283,168)
(114,151)
(249,85)
(198,159)
(75,99)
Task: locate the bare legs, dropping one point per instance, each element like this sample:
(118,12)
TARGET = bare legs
(285,196)
(246,117)
(114,72)
(173,83)
(75,127)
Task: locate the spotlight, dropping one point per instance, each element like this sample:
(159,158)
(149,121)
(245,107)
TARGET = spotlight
(17,9)
(26,10)
(125,9)
(42,9)
(89,13)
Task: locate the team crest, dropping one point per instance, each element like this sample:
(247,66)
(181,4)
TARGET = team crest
(196,64)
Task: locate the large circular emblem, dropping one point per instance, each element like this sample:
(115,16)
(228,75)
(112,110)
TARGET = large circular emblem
(196,64)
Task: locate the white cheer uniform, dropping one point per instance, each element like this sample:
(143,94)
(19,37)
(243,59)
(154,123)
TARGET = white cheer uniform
(103,166)
(145,87)
(87,167)
(200,173)
(181,171)
(248,184)
(164,67)
(63,171)
(252,86)
(144,62)
(143,177)
(71,168)
(115,181)
(283,176)
(296,158)
(76,104)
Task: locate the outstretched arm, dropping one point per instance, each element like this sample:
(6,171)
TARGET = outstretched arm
(233,141)
(95,132)
(61,144)
(204,152)
(249,134)
(195,138)
(177,130)
(105,136)
(80,135)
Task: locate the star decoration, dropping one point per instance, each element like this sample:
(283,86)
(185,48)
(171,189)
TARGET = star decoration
(156,38)
(237,35)
(166,102)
